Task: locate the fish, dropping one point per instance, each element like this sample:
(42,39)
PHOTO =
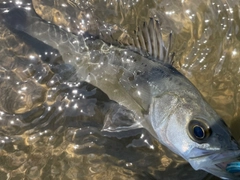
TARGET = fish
(139,75)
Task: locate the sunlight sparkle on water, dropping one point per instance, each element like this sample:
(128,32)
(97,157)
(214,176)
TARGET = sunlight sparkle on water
(187,11)
(28,8)
(76,146)
(6,11)
(170,12)
(129,164)
(234,52)
(74,91)
(24,88)
(32,137)
(75,106)
(150,146)
(18,2)
(51,138)
(139,93)
(60,108)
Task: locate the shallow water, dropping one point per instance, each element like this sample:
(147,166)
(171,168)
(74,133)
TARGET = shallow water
(43,135)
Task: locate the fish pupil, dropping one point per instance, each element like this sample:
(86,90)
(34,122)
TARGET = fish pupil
(198,132)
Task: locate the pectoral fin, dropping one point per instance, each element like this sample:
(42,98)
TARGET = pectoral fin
(119,118)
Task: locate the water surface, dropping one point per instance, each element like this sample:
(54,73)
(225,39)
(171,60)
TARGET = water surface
(51,119)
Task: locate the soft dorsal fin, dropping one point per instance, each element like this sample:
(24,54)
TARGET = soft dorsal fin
(148,42)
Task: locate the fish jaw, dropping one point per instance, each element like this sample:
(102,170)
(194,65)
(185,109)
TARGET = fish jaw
(217,162)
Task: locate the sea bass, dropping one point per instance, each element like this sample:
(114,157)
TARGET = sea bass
(140,76)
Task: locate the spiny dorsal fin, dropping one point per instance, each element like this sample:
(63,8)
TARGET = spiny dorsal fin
(148,42)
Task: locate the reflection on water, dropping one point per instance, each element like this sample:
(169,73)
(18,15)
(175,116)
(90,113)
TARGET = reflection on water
(51,120)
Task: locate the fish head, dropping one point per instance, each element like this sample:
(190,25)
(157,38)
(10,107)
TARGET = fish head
(185,123)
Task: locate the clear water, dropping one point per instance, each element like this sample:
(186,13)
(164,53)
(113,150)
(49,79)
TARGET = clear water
(50,121)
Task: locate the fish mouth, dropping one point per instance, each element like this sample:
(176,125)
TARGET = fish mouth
(225,165)
(231,167)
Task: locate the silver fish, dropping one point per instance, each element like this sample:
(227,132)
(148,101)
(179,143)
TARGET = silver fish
(141,77)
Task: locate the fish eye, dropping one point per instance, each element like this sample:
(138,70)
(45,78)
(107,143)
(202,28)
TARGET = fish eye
(198,130)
